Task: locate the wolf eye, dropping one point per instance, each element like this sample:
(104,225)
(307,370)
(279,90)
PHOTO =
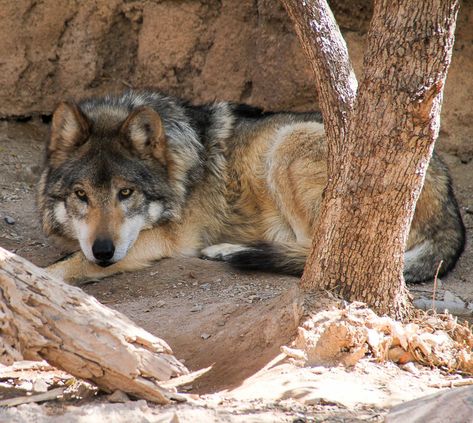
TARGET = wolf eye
(81,195)
(124,193)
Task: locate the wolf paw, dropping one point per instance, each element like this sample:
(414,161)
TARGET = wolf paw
(220,251)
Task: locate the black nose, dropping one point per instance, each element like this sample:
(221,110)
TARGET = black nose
(103,249)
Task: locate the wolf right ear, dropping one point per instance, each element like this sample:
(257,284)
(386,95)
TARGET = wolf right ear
(69,130)
(144,132)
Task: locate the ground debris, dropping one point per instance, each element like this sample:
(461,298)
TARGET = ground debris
(345,335)
(29,381)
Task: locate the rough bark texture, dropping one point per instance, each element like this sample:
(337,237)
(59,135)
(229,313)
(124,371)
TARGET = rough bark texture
(377,170)
(43,318)
(328,56)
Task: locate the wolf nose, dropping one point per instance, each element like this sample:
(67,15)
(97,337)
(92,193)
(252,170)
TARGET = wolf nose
(103,249)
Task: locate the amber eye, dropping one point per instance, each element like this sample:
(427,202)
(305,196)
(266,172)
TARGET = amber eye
(81,195)
(124,193)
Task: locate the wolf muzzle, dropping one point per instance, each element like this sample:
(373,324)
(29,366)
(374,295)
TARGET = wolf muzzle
(103,250)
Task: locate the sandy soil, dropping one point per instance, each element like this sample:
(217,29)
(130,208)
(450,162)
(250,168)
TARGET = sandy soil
(212,315)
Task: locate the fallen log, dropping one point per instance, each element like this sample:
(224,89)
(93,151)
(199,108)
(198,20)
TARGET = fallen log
(43,318)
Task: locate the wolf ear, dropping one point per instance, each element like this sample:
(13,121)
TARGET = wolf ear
(69,130)
(144,130)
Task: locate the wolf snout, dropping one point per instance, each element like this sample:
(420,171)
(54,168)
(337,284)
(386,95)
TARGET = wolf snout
(103,250)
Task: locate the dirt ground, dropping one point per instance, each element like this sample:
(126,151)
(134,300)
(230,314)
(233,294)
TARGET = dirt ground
(213,315)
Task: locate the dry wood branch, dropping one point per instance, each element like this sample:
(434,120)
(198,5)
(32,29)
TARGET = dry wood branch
(326,49)
(44,318)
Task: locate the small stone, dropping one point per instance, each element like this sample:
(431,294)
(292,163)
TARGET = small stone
(118,396)
(205,286)
(411,368)
(160,304)
(452,298)
(205,336)
(254,298)
(40,385)
(10,220)
(197,307)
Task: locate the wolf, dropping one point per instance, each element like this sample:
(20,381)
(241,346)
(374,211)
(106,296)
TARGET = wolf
(135,177)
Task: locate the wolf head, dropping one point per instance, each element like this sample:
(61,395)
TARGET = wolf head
(116,166)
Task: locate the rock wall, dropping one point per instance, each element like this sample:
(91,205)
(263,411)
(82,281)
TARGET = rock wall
(203,50)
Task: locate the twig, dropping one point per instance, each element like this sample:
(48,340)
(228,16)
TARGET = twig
(435,285)
(452,383)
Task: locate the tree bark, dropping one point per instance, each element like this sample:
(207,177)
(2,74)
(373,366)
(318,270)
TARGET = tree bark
(43,318)
(385,140)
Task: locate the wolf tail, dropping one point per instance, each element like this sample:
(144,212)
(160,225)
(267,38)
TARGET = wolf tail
(432,257)
(436,238)
(442,242)
(288,259)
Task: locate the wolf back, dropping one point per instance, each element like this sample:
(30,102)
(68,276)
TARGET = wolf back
(132,178)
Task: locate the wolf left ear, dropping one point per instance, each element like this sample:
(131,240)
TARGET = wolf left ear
(144,130)
(69,130)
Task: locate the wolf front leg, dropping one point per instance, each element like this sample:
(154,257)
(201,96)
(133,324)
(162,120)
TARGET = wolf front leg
(151,245)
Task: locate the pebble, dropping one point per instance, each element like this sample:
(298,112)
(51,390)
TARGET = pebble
(205,336)
(118,397)
(10,220)
(197,307)
(160,303)
(411,368)
(40,385)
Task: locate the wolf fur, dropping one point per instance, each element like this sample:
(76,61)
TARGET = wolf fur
(133,178)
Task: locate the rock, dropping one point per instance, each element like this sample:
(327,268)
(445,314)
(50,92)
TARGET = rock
(451,297)
(197,307)
(9,220)
(118,397)
(40,385)
(454,405)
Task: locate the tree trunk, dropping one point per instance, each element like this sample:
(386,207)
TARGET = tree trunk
(43,318)
(381,144)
